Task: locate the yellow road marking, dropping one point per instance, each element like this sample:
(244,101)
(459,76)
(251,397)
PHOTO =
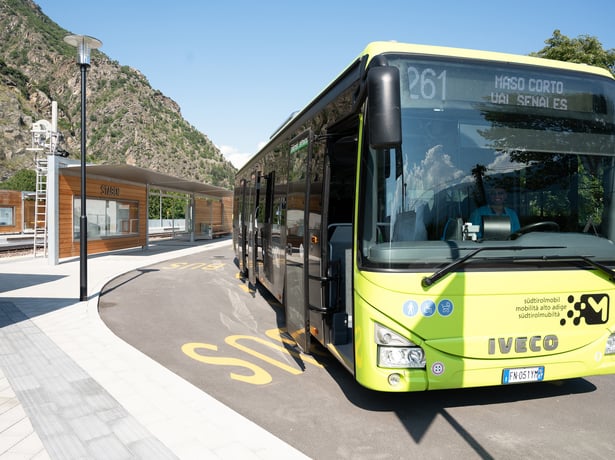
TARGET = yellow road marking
(259,375)
(233,341)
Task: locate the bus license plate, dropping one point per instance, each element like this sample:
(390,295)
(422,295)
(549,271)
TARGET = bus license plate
(523,374)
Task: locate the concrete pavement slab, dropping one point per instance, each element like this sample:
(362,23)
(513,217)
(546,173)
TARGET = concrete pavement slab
(86,393)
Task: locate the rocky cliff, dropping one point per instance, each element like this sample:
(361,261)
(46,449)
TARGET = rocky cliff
(128,122)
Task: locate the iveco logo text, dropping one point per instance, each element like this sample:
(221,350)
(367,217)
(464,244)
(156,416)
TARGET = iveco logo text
(535,344)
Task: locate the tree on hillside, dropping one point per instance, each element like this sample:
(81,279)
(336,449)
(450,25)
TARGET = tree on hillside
(583,49)
(23,180)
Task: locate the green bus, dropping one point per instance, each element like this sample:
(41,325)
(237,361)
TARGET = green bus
(442,218)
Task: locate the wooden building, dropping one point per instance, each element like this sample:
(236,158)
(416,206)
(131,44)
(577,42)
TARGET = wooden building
(12,211)
(117,208)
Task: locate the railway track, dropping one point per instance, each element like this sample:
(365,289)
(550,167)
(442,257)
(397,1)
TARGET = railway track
(12,250)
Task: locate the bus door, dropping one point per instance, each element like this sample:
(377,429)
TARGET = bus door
(242,239)
(264,217)
(252,204)
(316,240)
(297,241)
(339,205)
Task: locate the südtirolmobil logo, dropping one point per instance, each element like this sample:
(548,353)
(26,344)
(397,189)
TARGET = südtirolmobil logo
(593,308)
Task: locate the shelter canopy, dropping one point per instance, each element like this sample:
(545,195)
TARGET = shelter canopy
(153,179)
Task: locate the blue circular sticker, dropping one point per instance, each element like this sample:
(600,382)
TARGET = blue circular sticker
(411,308)
(428,308)
(445,307)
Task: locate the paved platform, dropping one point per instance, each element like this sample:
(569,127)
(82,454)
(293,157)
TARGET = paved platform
(71,389)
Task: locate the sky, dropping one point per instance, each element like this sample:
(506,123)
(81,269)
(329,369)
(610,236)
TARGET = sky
(239,68)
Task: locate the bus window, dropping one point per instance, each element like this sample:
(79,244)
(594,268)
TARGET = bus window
(458,144)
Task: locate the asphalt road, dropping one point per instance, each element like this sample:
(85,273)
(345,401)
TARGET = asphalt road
(195,316)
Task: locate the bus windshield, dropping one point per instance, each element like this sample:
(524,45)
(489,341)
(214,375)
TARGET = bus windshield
(516,158)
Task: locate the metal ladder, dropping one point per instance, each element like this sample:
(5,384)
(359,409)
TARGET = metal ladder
(40,207)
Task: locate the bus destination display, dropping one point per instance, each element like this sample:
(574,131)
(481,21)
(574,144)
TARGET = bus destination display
(429,84)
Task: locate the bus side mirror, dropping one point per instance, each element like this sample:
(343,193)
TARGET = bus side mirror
(384,107)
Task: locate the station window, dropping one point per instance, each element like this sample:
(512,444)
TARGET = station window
(107,218)
(7,216)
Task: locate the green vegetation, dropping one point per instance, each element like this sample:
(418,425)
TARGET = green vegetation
(169,206)
(23,180)
(15,77)
(583,49)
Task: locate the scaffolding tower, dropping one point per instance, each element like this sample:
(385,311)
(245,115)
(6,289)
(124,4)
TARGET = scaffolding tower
(44,143)
(40,207)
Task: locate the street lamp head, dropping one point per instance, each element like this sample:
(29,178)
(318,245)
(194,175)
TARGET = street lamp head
(84,45)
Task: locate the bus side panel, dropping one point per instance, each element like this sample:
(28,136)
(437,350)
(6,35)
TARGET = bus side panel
(281,262)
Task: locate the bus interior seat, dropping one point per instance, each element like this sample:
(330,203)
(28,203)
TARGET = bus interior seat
(495,227)
(403,229)
(409,227)
(467,207)
(444,215)
(453,229)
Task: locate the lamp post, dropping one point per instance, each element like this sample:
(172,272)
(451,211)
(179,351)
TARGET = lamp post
(84,45)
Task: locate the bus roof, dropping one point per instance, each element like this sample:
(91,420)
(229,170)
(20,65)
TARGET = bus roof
(376,48)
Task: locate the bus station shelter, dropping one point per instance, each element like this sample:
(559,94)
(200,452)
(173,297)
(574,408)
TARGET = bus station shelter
(117,207)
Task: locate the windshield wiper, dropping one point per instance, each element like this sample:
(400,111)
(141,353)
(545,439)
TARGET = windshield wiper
(430,280)
(587,259)
(603,268)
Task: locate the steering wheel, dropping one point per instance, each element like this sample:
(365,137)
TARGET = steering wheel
(546,225)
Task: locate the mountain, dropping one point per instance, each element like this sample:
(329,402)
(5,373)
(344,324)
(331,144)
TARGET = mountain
(128,122)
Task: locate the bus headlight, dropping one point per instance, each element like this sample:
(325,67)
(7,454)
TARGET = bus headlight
(396,351)
(610,345)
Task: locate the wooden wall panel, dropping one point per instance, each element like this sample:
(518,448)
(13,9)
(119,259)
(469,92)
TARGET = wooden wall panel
(12,198)
(70,186)
(214,212)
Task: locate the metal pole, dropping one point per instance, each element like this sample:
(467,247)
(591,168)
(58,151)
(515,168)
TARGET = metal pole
(83,222)
(84,45)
